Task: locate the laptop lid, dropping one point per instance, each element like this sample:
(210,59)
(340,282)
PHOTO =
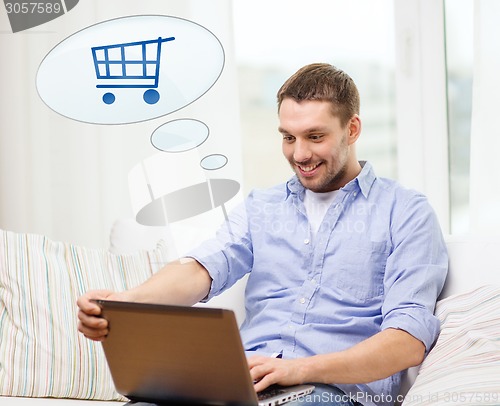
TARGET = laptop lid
(159,353)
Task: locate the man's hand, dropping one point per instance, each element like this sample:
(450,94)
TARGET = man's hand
(268,371)
(90,324)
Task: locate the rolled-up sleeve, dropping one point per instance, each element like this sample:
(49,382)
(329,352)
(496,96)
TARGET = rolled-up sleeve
(415,271)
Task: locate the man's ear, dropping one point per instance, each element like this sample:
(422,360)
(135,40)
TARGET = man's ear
(354,127)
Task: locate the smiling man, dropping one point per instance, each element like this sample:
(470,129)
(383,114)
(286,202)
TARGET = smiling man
(319,143)
(344,267)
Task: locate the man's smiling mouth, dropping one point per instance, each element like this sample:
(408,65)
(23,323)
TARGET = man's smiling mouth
(307,170)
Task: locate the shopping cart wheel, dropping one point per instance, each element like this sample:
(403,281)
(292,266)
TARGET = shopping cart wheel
(108,98)
(151,96)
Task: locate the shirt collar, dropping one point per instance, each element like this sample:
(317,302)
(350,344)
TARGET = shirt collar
(363,182)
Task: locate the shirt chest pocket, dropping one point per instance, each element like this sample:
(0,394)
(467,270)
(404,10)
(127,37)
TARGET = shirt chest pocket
(359,270)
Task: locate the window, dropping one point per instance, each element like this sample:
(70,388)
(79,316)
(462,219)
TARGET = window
(459,57)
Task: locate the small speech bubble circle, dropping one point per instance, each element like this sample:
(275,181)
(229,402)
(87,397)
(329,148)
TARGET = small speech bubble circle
(180,135)
(130,69)
(213,162)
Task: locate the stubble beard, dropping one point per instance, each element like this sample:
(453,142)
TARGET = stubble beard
(329,182)
(333,178)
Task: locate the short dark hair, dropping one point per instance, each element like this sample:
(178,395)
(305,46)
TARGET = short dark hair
(322,81)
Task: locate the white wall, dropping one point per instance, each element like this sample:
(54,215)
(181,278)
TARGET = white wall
(68,179)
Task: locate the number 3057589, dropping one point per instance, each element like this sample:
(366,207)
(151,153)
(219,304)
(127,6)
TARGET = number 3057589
(33,8)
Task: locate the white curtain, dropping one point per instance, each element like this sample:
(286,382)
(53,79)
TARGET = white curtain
(67,179)
(485,130)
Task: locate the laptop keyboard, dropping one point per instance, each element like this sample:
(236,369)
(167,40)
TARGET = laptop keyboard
(270,392)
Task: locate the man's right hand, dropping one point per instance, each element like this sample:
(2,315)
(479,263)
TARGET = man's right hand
(90,324)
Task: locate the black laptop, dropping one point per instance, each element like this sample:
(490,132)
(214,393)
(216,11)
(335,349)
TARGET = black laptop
(172,354)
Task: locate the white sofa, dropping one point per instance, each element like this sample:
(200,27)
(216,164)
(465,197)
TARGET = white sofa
(474,262)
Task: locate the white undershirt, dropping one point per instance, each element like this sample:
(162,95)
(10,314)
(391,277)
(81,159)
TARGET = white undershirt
(317,205)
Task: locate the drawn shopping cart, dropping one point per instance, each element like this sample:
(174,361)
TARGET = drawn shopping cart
(129,65)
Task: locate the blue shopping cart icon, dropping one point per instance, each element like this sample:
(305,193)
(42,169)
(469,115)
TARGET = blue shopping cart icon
(129,65)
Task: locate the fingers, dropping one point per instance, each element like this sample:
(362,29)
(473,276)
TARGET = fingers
(263,372)
(92,327)
(268,371)
(90,324)
(264,383)
(85,303)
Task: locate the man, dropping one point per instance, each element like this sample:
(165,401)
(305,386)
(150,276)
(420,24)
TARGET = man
(345,267)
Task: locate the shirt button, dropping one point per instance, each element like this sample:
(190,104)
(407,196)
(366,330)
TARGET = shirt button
(313,281)
(302,301)
(307,241)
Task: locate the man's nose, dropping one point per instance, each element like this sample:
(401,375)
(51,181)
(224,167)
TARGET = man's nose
(302,152)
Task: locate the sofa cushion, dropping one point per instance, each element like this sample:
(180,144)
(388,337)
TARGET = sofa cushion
(463,368)
(41,352)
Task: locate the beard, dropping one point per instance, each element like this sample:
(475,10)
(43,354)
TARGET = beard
(332,180)
(335,172)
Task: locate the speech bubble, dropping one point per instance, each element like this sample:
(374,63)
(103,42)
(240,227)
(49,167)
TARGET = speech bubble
(180,135)
(213,162)
(130,69)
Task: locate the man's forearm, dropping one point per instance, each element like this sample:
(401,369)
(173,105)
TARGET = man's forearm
(183,282)
(378,357)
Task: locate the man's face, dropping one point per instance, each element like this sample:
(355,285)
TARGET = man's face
(316,145)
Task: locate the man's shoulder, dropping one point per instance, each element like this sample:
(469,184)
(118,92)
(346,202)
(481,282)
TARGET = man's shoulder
(399,199)
(395,188)
(379,187)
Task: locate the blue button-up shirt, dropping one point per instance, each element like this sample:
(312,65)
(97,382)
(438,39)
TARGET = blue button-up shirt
(378,261)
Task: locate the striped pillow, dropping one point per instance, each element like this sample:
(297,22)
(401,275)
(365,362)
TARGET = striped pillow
(463,368)
(41,352)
